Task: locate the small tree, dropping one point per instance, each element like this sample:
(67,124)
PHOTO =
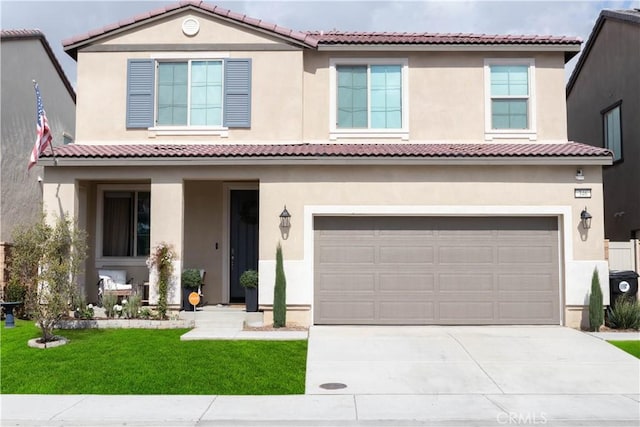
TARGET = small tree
(47,260)
(596,311)
(280,292)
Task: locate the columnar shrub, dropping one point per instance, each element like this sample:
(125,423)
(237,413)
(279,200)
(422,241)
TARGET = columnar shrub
(280,292)
(596,312)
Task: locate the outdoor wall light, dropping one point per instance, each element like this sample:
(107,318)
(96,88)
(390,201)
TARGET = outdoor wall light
(579,175)
(585,219)
(285,218)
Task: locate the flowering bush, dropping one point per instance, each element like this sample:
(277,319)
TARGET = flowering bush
(161,261)
(84,313)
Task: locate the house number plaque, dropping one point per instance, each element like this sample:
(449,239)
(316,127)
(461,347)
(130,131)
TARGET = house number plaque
(582,193)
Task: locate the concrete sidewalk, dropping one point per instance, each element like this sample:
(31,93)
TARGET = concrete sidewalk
(444,376)
(322,410)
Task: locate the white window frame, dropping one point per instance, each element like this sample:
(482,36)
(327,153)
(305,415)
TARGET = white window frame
(617,154)
(529,133)
(102,261)
(184,130)
(335,132)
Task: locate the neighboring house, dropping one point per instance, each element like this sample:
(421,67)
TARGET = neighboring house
(603,107)
(27,56)
(428,176)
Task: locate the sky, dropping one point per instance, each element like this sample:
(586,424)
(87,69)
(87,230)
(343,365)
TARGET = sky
(60,20)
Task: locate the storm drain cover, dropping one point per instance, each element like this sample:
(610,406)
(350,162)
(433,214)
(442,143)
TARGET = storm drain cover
(333,386)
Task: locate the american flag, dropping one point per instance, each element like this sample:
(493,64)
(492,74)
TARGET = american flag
(43,133)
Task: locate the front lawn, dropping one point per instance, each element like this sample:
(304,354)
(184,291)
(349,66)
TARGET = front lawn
(631,347)
(142,361)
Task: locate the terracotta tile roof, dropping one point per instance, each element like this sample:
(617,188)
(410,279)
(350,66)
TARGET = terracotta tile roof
(25,34)
(504,150)
(312,39)
(341,37)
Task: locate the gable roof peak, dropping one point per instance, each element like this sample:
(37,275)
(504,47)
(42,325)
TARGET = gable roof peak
(71,45)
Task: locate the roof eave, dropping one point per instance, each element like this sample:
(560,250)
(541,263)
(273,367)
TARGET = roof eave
(327,160)
(569,49)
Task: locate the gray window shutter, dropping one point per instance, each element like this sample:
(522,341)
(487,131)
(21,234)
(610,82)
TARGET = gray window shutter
(237,93)
(140,85)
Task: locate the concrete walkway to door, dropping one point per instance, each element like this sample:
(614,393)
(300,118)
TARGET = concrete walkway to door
(467,360)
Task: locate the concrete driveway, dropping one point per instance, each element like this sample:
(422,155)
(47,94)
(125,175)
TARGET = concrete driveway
(467,360)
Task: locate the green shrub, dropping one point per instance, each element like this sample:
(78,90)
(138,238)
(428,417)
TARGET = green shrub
(596,312)
(249,279)
(280,292)
(145,313)
(625,314)
(109,301)
(15,291)
(131,306)
(190,278)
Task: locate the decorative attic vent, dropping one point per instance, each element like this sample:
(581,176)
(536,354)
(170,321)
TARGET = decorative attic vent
(190,26)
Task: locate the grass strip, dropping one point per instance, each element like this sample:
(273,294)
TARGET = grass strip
(631,347)
(148,361)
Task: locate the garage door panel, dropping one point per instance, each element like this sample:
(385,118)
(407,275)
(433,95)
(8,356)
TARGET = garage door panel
(405,254)
(525,255)
(457,312)
(530,310)
(434,270)
(338,312)
(335,254)
(408,311)
(465,254)
(514,282)
(350,281)
(465,282)
(403,282)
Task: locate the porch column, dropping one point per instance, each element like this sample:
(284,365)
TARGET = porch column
(60,199)
(167,202)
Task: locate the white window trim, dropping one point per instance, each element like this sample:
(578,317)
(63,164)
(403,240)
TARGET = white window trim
(185,130)
(335,133)
(104,261)
(531,132)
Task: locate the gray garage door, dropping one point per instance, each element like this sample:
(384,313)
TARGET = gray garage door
(436,270)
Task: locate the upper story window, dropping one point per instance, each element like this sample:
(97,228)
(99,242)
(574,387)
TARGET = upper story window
(188,95)
(509,103)
(368,98)
(124,222)
(612,124)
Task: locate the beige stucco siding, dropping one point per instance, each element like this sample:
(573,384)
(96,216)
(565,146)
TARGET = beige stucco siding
(299,186)
(168,30)
(425,186)
(276,112)
(446,93)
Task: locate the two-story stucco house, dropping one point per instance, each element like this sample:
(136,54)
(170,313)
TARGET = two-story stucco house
(428,176)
